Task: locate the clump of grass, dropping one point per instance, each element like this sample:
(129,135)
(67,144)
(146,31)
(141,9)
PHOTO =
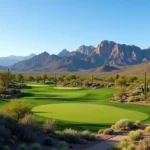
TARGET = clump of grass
(137,123)
(50,125)
(123,143)
(29,120)
(131,147)
(130,99)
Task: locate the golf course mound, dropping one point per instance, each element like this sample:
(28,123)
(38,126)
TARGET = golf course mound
(87,113)
(67,88)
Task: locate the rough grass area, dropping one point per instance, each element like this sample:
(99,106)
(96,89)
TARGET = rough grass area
(41,94)
(87,113)
(68,88)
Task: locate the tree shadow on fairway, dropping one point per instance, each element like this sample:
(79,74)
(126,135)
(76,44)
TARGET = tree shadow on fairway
(26,95)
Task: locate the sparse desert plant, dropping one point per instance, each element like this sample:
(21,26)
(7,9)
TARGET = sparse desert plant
(29,120)
(35,146)
(124,124)
(108,131)
(50,125)
(135,135)
(23,147)
(63,145)
(101,131)
(142,97)
(47,141)
(87,135)
(144,144)
(147,129)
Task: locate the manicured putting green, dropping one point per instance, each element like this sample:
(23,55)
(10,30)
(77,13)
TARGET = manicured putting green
(87,113)
(67,88)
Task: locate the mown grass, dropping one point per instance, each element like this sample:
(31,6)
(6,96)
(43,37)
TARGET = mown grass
(41,94)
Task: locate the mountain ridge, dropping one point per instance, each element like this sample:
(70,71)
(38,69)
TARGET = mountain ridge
(107,53)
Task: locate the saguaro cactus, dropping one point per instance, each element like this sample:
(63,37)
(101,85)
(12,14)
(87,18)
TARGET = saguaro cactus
(145,86)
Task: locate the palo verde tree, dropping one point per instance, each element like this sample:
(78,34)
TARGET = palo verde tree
(17,110)
(20,78)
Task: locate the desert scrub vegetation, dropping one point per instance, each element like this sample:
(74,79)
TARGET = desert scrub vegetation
(47,141)
(144,144)
(108,131)
(123,125)
(135,135)
(22,147)
(35,146)
(147,129)
(73,136)
(62,145)
(50,126)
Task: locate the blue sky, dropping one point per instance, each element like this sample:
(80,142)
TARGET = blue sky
(34,26)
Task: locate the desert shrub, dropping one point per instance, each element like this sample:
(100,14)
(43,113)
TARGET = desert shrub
(101,131)
(124,124)
(131,147)
(87,135)
(23,147)
(142,97)
(70,135)
(47,141)
(123,143)
(135,135)
(29,120)
(63,145)
(17,110)
(108,131)
(120,92)
(137,123)
(147,129)
(130,99)
(144,144)
(49,125)
(35,146)
(6,148)
(120,82)
(130,87)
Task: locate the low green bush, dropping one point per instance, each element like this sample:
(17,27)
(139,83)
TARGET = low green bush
(63,145)
(124,124)
(23,147)
(108,131)
(147,129)
(70,135)
(87,135)
(137,123)
(131,147)
(50,125)
(47,141)
(101,131)
(35,146)
(123,143)
(135,135)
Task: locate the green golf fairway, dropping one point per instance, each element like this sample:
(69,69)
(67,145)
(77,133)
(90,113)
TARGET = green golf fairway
(67,88)
(87,113)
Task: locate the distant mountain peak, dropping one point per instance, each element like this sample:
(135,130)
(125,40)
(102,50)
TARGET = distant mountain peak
(64,53)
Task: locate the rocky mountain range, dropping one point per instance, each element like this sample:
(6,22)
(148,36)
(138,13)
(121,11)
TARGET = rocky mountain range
(10,60)
(107,53)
